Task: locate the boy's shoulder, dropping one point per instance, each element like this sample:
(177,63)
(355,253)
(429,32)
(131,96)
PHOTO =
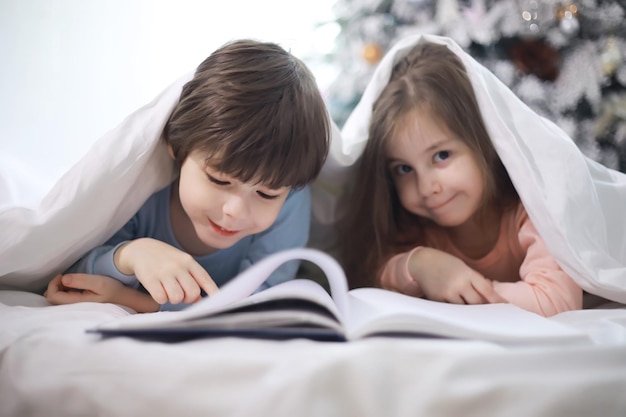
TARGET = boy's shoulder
(156,206)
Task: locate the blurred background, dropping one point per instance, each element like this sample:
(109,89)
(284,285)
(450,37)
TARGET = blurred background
(564,58)
(73,69)
(70,70)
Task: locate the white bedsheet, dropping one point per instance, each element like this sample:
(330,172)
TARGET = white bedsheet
(49,366)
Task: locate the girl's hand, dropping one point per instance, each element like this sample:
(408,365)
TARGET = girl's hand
(444,277)
(77,288)
(167,273)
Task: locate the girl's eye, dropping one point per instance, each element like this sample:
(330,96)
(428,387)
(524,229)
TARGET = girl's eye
(441,156)
(216,181)
(401,169)
(267,196)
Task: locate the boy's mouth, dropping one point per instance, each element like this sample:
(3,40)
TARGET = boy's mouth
(222,231)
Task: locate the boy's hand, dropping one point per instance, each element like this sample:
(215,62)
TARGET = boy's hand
(444,277)
(167,273)
(77,288)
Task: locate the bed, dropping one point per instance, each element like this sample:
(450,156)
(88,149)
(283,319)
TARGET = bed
(50,365)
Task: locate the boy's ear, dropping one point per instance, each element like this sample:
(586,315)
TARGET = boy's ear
(170,150)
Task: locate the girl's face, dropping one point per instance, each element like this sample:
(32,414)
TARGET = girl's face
(218,210)
(436,175)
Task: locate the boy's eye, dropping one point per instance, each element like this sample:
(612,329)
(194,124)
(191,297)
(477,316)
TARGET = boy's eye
(441,156)
(267,196)
(216,181)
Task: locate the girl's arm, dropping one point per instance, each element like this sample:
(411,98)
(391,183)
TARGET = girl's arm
(437,275)
(544,287)
(395,275)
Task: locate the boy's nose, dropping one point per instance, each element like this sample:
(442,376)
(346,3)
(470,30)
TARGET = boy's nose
(234,206)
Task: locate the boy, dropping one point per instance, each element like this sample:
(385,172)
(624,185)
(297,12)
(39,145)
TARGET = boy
(249,133)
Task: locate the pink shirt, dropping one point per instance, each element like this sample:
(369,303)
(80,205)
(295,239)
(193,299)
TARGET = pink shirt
(523,271)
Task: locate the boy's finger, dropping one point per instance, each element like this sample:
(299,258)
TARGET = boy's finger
(173,291)
(190,288)
(66,297)
(55,283)
(78,281)
(157,291)
(204,280)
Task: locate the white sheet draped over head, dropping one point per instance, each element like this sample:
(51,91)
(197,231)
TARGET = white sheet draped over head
(99,194)
(576,204)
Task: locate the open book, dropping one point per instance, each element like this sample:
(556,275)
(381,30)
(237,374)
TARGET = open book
(303,308)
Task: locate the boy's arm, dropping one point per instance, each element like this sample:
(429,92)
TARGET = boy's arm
(100,260)
(76,288)
(137,300)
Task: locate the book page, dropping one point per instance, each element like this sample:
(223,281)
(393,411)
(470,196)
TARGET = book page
(380,311)
(238,291)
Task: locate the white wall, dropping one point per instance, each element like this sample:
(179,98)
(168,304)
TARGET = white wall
(73,69)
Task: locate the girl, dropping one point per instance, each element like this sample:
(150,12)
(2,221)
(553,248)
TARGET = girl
(249,134)
(434,213)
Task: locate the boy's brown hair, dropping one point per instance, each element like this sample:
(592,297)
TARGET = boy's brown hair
(257,113)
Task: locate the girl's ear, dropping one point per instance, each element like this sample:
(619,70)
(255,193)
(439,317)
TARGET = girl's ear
(170,151)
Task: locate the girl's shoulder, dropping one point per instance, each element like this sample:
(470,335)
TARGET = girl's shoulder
(514,217)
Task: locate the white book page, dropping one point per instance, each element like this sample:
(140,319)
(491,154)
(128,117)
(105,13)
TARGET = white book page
(237,292)
(375,310)
(303,289)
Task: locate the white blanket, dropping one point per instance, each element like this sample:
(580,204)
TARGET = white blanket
(50,367)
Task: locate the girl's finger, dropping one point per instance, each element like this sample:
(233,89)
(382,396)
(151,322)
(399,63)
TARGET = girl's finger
(471,296)
(485,288)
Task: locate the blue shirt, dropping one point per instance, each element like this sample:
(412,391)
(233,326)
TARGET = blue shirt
(291,229)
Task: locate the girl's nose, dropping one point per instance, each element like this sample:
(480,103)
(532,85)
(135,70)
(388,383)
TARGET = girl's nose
(428,184)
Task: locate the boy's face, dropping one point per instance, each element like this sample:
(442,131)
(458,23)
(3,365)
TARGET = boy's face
(213,211)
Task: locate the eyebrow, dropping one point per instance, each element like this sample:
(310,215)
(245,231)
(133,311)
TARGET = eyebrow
(440,143)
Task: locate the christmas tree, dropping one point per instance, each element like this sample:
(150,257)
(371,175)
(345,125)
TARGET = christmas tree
(565,59)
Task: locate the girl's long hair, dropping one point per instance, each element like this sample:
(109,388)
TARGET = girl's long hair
(373,225)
